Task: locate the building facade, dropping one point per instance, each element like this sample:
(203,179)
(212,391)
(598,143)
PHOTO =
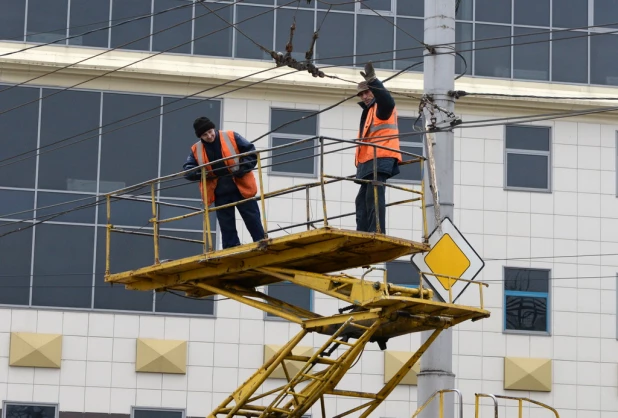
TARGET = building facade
(537,200)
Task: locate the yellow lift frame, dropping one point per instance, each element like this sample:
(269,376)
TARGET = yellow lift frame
(377,311)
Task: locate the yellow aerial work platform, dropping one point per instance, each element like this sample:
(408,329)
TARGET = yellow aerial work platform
(314,259)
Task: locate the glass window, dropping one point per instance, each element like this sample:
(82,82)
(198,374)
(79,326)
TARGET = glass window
(301,4)
(292,294)
(63,266)
(302,34)
(526,299)
(128,34)
(337,5)
(331,47)
(177,38)
(15,410)
(370,47)
(157,413)
(377,5)
(13,201)
(528,157)
(75,167)
(15,270)
(532,12)
(178,136)
(84,215)
(410,8)
(263,2)
(570,57)
(307,126)
(47,20)
(295,159)
(129,155)
(603,66)
(410,143)
(464,10)
(605,11)
(12,19)
(569,13)
(463,33)
(531,61)
(127,252)
(212,35)
(129,212)
(87,15)
(402,273)
(21,125)
(409,50)
(497,11)
(494,62)
(181,208)
(259,28)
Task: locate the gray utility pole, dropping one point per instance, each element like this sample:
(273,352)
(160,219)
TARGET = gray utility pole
(437,363)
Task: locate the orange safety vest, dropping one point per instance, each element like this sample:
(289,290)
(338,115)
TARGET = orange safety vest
(246,184)
(375,127)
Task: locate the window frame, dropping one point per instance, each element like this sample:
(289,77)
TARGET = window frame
(547,296)
(402,143)
(401,284)
(268,317)
(548,154)
(616,161)
(391,12)
(19,403)
(149,408)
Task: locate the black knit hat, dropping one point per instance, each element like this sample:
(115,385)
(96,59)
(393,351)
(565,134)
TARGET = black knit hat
(202,125)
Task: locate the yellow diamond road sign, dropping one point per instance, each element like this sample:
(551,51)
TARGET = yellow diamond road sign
(450,255)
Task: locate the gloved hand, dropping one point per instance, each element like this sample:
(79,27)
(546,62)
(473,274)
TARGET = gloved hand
(369,74)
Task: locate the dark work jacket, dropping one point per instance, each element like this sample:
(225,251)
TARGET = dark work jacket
(386,105)
(225,184)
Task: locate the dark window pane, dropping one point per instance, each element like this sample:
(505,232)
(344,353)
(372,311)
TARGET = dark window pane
(12,201)
(463,32)
(526,280)
(402,274)
(63,266)
(47,20)
(377,5)
(301,4)
(498,11)
(15,259)
(87,15)
(528,171)
(75,167)
(532,12)
(526,313)
(411,8)
(129,155)
(534,138)
(303,32)
(368,43)
(127,252)
(530,62)
(465,11)
(30,411)
(570,57)
(175,39)
(263,2)
(291,293)
(12,19)
(603,66)
(193,222)
(212,35)
(149,413)
(84,215)
(331,44)
(298,159)
(605,11)
(132,32)
(569,13)
(259,28)
(409,50)
(337,5)
(128,212)
(21,125)
(407,125)
(410,171)
(178,137)
(494,62)
(306,126)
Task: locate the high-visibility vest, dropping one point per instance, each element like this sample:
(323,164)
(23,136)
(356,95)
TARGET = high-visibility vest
(247,186)
(375,127)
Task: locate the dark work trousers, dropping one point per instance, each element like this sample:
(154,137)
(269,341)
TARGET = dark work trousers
(249,211)
(365,207)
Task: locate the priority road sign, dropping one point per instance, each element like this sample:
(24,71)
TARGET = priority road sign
(450,255)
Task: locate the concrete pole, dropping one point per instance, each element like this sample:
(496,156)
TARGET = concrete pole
(437,363)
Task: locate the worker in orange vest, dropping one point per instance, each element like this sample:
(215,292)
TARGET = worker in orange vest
(227,181)
(378,125)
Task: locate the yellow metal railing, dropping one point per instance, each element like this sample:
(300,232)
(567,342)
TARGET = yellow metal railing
(323,181)
(520,401)
(441,393)
(450,289)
